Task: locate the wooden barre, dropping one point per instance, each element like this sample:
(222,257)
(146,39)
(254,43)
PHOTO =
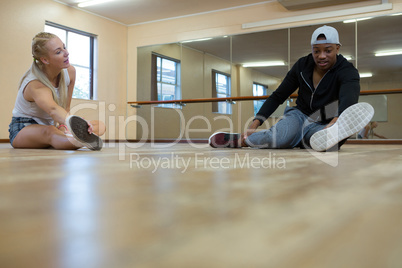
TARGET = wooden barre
(247,98)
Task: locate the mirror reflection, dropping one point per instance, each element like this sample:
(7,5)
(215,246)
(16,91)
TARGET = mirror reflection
(255,63)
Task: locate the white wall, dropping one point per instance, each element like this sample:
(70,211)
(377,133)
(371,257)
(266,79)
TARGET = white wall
(21,20)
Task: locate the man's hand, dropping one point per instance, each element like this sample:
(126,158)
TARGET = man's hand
(248,133)
(332,122)
(251,129)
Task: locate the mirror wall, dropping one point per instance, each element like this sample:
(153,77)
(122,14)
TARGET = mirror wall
(361,41)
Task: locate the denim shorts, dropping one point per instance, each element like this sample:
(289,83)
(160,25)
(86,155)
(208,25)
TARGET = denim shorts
(18,123)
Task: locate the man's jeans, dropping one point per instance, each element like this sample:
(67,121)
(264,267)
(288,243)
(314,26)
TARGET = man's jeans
(293,130)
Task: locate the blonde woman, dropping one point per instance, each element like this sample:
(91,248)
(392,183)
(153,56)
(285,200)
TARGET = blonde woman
(41,113)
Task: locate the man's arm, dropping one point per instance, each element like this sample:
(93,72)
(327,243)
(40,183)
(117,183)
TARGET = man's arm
(279,96)
(289,84)
(251,129)
(349,89)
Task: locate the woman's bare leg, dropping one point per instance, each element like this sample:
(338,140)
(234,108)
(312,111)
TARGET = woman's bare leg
(40,136)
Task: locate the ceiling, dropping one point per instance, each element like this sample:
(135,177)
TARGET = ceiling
(131,12)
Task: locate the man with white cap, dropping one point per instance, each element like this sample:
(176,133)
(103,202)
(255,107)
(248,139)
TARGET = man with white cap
(326,111)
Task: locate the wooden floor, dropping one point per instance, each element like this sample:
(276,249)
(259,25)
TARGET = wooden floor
(181,206)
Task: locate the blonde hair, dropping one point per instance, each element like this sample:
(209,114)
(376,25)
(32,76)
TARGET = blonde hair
(38,51)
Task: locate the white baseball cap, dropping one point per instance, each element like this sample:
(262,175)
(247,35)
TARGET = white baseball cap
(330,33)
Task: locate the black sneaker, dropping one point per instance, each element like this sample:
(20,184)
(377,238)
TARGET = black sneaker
(351,121)
(78,127)
(225,140)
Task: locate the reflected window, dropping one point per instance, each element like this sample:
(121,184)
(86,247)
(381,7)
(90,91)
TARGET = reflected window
(259,90)
(165,80)
(80,45)
(221,89)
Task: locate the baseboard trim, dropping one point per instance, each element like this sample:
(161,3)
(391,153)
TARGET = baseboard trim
(374,141)
(147,141)
(350,141)
(159,141)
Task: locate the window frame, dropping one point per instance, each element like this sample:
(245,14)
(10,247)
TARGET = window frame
(215,105)
(155,82)
(256,102)
(92,38)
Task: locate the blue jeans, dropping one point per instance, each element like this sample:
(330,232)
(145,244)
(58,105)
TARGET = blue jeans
(17,124)
(293,130)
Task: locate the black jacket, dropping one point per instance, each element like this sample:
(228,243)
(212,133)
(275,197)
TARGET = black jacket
(340,87)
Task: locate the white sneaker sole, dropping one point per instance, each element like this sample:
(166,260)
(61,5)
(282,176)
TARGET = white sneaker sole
(351,121)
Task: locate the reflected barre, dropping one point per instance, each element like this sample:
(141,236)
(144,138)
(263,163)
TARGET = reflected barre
(200,100)
(137,104)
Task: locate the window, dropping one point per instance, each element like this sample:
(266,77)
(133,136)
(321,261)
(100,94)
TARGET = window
(80,45)
(165,80)
(221,89)
(259,90)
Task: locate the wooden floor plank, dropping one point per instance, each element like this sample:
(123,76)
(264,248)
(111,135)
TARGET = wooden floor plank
(184,206)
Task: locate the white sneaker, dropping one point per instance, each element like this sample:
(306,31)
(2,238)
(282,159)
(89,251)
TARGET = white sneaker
(351,121)
(78,127)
